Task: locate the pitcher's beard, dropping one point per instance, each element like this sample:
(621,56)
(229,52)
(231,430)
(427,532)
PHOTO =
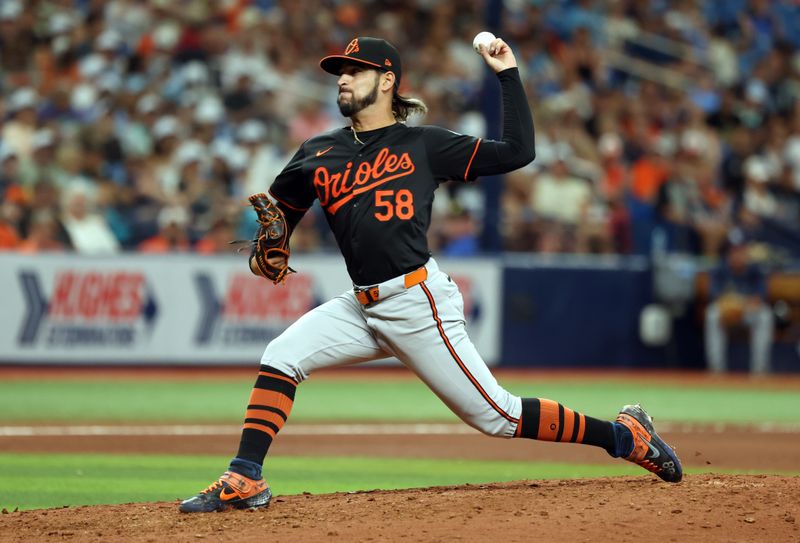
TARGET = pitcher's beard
(355,105)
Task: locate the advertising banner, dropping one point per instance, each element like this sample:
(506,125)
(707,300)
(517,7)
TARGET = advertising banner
(183,309)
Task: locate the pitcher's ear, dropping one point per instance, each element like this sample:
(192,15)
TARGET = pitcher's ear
(387,82)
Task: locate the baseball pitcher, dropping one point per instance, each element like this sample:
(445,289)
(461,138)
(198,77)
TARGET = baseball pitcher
(376,179)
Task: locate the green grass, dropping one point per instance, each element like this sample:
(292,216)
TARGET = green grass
(33,481)
(50,480)
(358,400)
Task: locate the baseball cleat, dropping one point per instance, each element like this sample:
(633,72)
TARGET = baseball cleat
(649,450)
(231,490)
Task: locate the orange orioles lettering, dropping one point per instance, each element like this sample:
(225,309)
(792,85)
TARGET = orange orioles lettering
(337,188)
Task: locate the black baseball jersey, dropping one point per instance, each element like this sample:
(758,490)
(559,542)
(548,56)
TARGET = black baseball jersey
(377,196)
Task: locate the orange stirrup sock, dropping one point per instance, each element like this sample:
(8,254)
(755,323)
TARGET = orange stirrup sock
(550,421)
(270,405)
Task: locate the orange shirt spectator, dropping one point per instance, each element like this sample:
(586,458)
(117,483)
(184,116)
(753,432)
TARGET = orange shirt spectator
(613,179)
(216,241)
(647,175)
(612,184)
(172,236)
(8,236)
(162,244)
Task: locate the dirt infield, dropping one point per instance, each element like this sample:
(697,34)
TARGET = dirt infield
(705,508)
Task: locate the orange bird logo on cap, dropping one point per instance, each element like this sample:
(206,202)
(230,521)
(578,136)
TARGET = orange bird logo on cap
(352,47)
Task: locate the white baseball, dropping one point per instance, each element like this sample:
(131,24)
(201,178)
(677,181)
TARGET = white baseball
(482,38)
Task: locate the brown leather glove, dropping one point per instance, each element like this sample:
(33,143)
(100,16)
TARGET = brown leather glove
(271,241)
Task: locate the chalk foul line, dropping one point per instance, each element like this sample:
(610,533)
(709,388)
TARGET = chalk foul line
(345,429)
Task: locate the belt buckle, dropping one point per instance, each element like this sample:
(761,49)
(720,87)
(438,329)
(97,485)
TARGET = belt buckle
(366,296)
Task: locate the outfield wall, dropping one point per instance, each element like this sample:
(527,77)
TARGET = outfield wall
(559,311)
(183,309)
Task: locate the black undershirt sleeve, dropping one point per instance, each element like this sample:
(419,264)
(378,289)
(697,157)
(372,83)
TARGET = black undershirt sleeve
(517,146)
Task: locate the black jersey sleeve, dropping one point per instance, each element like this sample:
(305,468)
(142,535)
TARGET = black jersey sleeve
(449,153)
(292,192)
(517,146)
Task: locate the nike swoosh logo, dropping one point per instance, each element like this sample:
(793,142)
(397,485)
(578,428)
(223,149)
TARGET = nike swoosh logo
(320,153)
(225,495)
(655,454)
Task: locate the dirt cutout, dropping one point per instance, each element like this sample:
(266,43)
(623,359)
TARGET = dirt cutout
(705,508)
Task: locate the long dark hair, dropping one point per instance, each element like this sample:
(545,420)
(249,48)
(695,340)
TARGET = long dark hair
(403,107)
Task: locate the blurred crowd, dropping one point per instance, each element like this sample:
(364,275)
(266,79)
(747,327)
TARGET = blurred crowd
(144,124)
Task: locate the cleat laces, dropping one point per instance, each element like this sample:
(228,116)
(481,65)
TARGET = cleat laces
(212,487)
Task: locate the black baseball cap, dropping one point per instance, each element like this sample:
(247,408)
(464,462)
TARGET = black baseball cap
(373,52)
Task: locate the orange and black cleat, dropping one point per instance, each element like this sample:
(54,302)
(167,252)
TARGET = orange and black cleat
(231,490)
(649,450)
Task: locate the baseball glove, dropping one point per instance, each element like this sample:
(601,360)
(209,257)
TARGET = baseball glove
(271,240)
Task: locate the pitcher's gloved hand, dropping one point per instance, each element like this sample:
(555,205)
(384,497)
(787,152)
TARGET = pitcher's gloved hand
(270,252)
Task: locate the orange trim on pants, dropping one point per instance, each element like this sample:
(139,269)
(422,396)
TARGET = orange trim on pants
(458,360)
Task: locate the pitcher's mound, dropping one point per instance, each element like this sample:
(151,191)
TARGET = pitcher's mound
(701,508)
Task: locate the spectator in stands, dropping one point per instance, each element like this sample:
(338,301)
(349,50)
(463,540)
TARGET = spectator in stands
(560,201)
(173,233)
(167,132)
(738,294)
(306,237)
(88,230)
(42,164)
(741,147)
(726,118)
(17,40)
(13,199)
(518,226)
(460,233)
(582,55)
(43,234)
(791,150)
(9,240)
(652,168)
(615,177)
(218,238)
(44,196)
(18,131)
(109,91)
(10,214)
(264,158)
(758,199)
(195,189)
(9,171)
(689,209)
(788,198)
